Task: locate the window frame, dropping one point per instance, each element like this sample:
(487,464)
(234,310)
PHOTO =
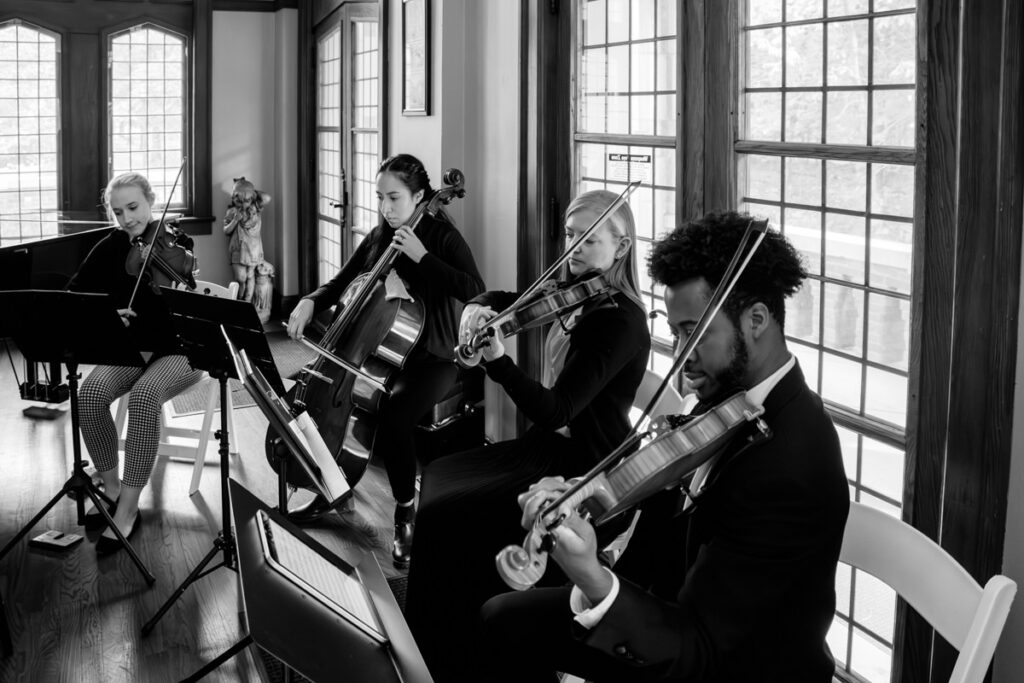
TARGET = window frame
(969,113)
(83,67)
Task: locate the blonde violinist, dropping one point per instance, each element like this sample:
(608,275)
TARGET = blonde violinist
(596,357)
(114,266)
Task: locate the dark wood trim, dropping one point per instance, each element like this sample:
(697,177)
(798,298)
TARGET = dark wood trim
(307,142)
(546,156)
(884,155)
(692,89)
(253,5)
(384,85)
(985,295)
(932,315)
(720,124)
(202,110)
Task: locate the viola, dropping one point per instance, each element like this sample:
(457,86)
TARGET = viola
(673,454)
(171,262)
(542,301)
(621,480)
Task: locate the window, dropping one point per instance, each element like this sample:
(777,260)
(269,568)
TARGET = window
(626,123)
(826,153)
(29,132)
(95,93)
(147,123)
(823,146)
(347,133)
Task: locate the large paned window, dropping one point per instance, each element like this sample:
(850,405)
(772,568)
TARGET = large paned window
(94,94)
(625,116)
(826,152)
(29,132)
(328,145)
(824,147)
(147,120)
(347,133)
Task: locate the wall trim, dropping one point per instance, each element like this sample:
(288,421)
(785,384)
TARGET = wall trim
(253,5)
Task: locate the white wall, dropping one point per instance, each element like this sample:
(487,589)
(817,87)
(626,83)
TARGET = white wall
(1009,659)
(255,131)
(473,126)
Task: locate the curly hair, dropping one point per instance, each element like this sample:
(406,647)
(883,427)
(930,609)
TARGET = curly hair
(704,248)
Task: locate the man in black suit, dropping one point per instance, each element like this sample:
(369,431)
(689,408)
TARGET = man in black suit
(733,581)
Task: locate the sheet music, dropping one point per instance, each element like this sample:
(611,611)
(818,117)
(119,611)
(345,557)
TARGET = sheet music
(339,590)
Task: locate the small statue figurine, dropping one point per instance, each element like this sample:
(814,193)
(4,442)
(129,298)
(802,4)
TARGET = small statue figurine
(263,295)
(242,221)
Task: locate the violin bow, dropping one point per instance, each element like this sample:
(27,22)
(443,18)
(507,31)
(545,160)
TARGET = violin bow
(566,254)
(725,286)
(160,225)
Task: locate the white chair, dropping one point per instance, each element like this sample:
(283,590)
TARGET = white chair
(968,616)
(188,453)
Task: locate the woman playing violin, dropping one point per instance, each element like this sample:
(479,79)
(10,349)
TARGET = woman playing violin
(733,580)
(129,200)
(435,266)
(595,360)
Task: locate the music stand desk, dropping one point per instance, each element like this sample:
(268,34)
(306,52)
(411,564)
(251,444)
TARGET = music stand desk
(309,638)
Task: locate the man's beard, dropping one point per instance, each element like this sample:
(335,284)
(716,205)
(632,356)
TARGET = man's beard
(731,379)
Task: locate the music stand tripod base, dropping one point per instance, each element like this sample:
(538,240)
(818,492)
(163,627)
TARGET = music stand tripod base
(200,323)
(40,322)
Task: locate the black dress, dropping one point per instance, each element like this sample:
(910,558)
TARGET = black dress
(443,279)
(468,510)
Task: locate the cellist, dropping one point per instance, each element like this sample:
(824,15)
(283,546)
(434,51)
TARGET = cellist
(114,266)
(596,358)
(733,579)
(436,266)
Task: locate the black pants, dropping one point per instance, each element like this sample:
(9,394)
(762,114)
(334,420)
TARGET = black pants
(417,388)
(468,512)
(529,636)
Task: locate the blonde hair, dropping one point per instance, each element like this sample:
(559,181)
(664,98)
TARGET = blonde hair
(623,273)
(127,180)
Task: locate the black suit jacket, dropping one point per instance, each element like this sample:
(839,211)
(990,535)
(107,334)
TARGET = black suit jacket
(740,587)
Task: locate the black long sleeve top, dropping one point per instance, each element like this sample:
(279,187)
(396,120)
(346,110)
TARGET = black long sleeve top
(103,271)
(444,279)
(608,351)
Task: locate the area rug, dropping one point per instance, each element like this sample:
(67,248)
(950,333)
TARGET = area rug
(289,356)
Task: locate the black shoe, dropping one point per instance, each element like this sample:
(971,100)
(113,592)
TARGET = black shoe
(106,545)
(402,550)
(94,520)
(311,511)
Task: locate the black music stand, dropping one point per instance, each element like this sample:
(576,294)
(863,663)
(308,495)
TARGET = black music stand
(198,321)
(47,326)
(6,647)
(284,618)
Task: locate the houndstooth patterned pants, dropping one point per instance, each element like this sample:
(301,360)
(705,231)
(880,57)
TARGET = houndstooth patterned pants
(150,387)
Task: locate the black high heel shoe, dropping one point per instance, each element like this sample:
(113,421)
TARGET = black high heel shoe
(94,520)
(106,545)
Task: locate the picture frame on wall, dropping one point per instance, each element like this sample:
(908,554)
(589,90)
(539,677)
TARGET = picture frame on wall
(416,57)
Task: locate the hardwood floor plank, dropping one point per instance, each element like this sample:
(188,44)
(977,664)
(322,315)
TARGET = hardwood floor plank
(76,617)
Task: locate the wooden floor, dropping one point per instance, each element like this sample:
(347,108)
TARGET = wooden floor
(75,617)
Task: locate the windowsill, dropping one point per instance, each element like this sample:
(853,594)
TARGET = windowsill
(196,225)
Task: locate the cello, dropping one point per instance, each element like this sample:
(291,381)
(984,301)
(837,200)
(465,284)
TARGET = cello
(363,349)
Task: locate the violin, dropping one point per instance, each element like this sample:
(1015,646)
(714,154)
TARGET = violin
(673,454)
(171,261)
(545,299)
(678,447)
(169,266)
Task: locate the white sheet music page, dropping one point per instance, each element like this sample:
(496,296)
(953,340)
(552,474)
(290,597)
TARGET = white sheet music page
(337,587)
